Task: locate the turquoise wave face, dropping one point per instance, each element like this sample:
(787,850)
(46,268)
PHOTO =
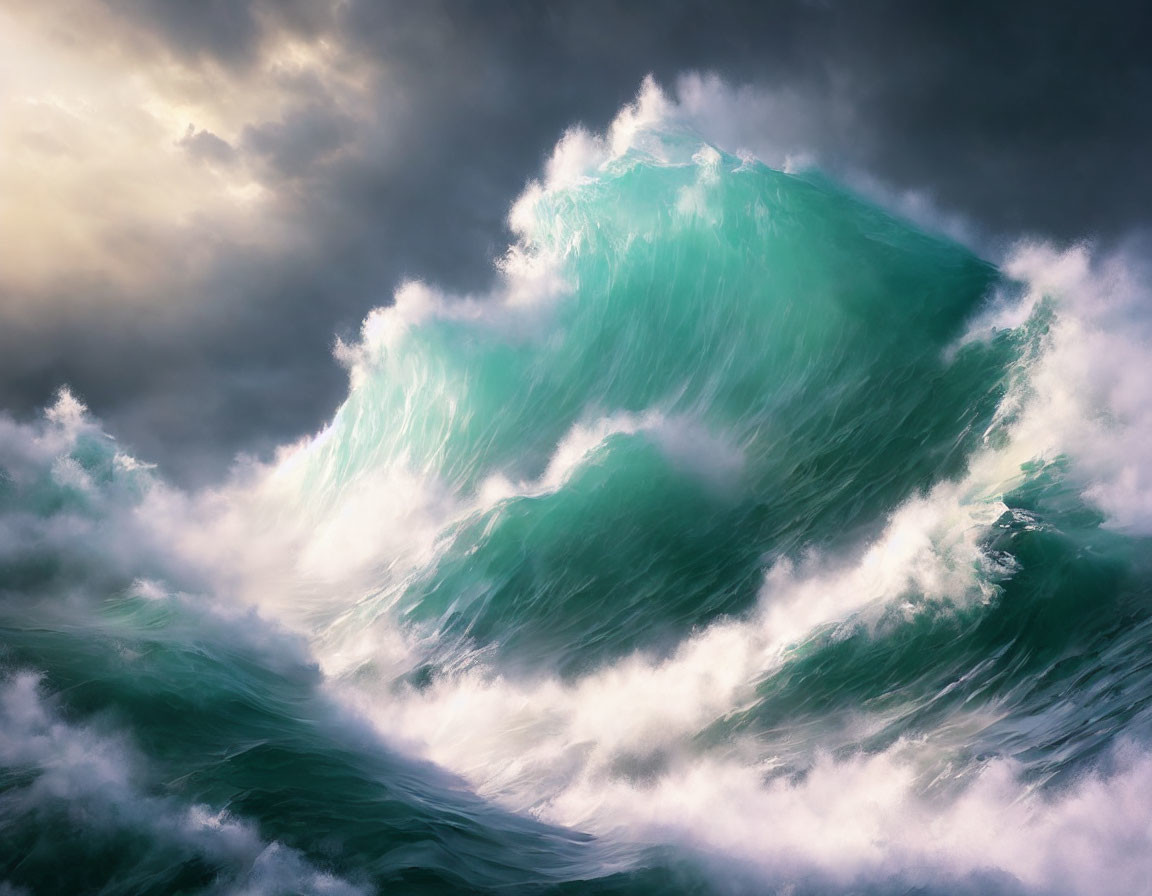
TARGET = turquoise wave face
(721,549)
(756,363)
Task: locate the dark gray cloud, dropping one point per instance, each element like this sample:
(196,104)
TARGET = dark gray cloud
(295,145)
(1024,117)
(206,145)
(228,32)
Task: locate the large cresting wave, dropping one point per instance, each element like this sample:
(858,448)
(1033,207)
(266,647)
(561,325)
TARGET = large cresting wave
(742,538)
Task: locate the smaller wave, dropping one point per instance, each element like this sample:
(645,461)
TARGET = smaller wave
(78,796)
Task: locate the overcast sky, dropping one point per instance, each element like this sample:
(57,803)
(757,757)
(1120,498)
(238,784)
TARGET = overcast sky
(197,196)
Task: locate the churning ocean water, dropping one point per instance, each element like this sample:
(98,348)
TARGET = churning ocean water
(744,539)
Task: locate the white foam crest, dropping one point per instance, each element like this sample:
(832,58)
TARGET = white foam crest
(641,127)
(94,504)
(580,155)
(531,280)
(1086,394)
(581,440)
(682,440)
(869,818)
(1095,392)
(931,548)
(67,412)
(26,449)
(770,126)
(413,303)
(95,774)
(108,522)
(267,541)
(699,115)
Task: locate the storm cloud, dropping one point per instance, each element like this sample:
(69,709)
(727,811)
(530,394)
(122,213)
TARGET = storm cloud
(199,197)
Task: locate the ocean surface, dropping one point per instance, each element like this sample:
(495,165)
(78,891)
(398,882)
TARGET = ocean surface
(744,538)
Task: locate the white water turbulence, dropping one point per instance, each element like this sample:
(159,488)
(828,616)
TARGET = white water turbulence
(743,538)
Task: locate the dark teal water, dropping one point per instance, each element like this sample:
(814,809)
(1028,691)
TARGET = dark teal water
(745,539)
